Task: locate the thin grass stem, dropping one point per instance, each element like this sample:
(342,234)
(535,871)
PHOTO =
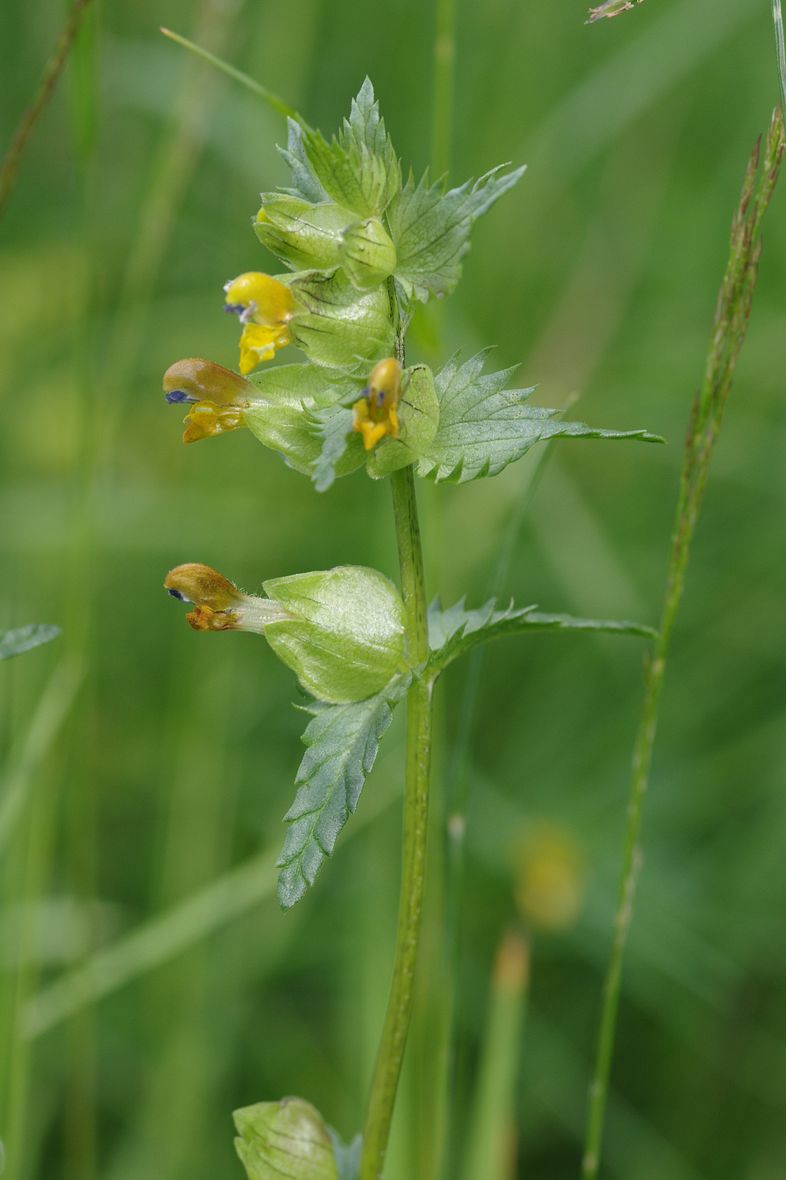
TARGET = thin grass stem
(24,130)
(273,100)
(728,335)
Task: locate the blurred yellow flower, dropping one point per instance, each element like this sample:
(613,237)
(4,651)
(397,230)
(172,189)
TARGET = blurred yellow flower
(375,414)
(549,886)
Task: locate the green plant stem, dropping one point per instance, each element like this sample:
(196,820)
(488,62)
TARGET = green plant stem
(729,330)
(458,790)
(413,874)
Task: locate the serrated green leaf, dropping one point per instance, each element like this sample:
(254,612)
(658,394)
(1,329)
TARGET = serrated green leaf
(13,643)
(281,417)
(342,743)
(483,426)
(456,630)
(359,168)
(431,228)
(304,182)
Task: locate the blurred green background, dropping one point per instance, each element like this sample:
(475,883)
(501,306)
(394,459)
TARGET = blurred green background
(148,983)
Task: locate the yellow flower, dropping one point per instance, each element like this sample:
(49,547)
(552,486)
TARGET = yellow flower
(265,306)
(260,343)
(376,413)
(218,604)
(217,397)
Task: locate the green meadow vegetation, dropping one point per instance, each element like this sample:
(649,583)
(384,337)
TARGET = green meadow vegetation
(162,962)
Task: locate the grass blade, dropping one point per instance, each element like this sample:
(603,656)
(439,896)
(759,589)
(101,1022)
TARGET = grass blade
(57,699)
(159,940)
(490,1141)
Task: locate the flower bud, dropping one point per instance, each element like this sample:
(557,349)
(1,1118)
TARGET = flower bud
(367,254)
(341,631)
(286,1139)
(418,418)
(302,235)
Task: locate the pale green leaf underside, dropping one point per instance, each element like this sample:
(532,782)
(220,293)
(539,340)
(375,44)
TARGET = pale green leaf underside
(483,426)
(342,743)
(454,631)
(431,228)
(13,643)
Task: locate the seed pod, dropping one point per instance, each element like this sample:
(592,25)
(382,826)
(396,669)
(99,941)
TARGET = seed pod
(344,637)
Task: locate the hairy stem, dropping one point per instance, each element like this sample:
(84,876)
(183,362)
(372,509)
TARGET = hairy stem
(728,335)
(413,874)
